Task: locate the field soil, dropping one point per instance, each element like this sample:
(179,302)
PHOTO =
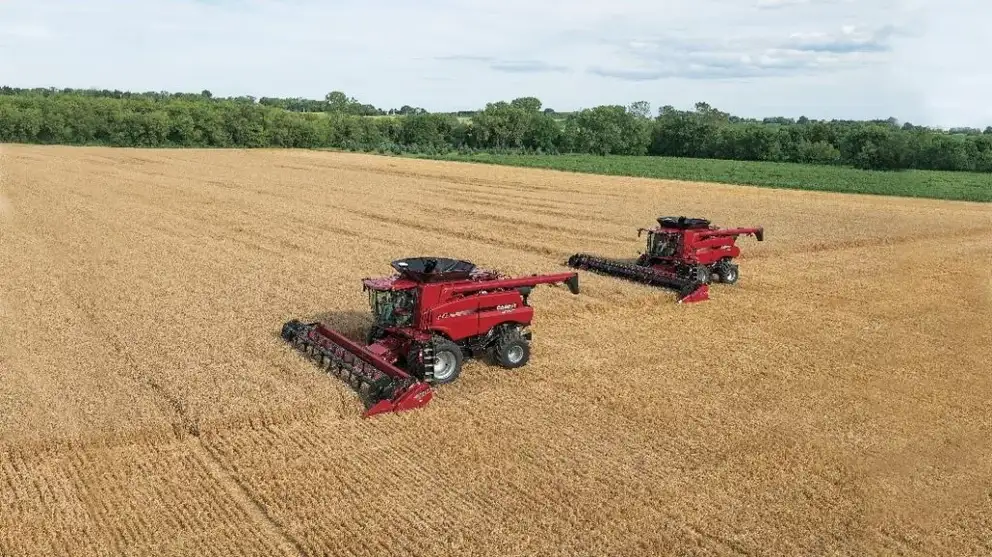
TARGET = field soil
(836,401)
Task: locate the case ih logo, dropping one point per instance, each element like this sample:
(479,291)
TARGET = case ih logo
(506,307)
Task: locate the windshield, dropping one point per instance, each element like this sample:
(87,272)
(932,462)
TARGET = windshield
(663,245)
(392,308)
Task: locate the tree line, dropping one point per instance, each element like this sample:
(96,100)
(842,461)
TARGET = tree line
(115,118)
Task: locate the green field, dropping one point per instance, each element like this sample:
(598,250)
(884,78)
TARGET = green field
(963,186)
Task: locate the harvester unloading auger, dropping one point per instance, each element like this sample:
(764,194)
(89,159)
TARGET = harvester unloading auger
(428,318)
(683,254)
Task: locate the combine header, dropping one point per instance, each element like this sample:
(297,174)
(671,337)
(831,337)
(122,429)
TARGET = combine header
(684,254)
(428,318)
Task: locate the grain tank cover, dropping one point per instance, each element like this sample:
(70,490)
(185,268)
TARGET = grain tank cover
(683,223)
(433,269)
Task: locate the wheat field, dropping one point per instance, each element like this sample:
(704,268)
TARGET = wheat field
(836,401)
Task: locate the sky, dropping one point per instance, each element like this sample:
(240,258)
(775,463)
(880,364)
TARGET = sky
(922,61)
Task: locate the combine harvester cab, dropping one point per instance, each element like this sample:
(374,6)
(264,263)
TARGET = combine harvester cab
(427,318)
(683,254)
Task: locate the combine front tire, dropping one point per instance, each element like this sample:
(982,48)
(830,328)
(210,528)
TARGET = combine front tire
(448,359)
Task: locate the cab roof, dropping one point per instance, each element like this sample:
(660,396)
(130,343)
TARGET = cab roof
(395,282)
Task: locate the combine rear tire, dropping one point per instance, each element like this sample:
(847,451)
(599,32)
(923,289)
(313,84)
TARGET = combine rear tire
(448,359)
(727,272)
(511,350)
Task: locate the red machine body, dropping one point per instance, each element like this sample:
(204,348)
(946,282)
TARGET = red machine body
(686,254)
(428,318)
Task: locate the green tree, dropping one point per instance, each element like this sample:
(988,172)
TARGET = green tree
(428,131)
(527,104)
(543,133)
(337,101)
(679,133)
(608,130)
(501,125)
(875,147)
(641,109)
(161,118)
(819,152)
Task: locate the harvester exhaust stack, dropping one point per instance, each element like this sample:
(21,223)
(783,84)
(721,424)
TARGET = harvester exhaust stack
(382,386)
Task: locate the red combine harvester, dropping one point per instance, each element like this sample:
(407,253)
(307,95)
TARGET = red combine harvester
(428,318)
(684,254)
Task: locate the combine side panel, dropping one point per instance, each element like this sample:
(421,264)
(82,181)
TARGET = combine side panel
(382,386)
(688,290)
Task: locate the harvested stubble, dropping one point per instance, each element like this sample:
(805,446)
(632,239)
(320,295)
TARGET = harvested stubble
(834,402)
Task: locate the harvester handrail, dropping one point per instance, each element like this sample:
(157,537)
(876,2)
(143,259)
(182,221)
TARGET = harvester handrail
(721,232)
(568,278)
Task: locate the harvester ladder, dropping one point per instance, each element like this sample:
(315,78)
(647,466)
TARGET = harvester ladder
(427,353)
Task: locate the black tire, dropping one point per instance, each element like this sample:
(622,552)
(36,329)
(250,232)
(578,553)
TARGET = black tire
(728,273)
(511,350)
(448,358)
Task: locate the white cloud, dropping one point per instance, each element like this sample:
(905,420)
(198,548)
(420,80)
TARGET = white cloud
(780,3)
(756,55)
(776,4)
(25,31)
(822,58)
(948,64)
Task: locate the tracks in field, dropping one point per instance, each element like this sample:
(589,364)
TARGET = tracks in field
(170,278)
(465,198)
(861,243)
(187,425)
(242,496)
(210,463)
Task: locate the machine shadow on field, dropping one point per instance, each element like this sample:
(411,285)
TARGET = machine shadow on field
(352,324)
